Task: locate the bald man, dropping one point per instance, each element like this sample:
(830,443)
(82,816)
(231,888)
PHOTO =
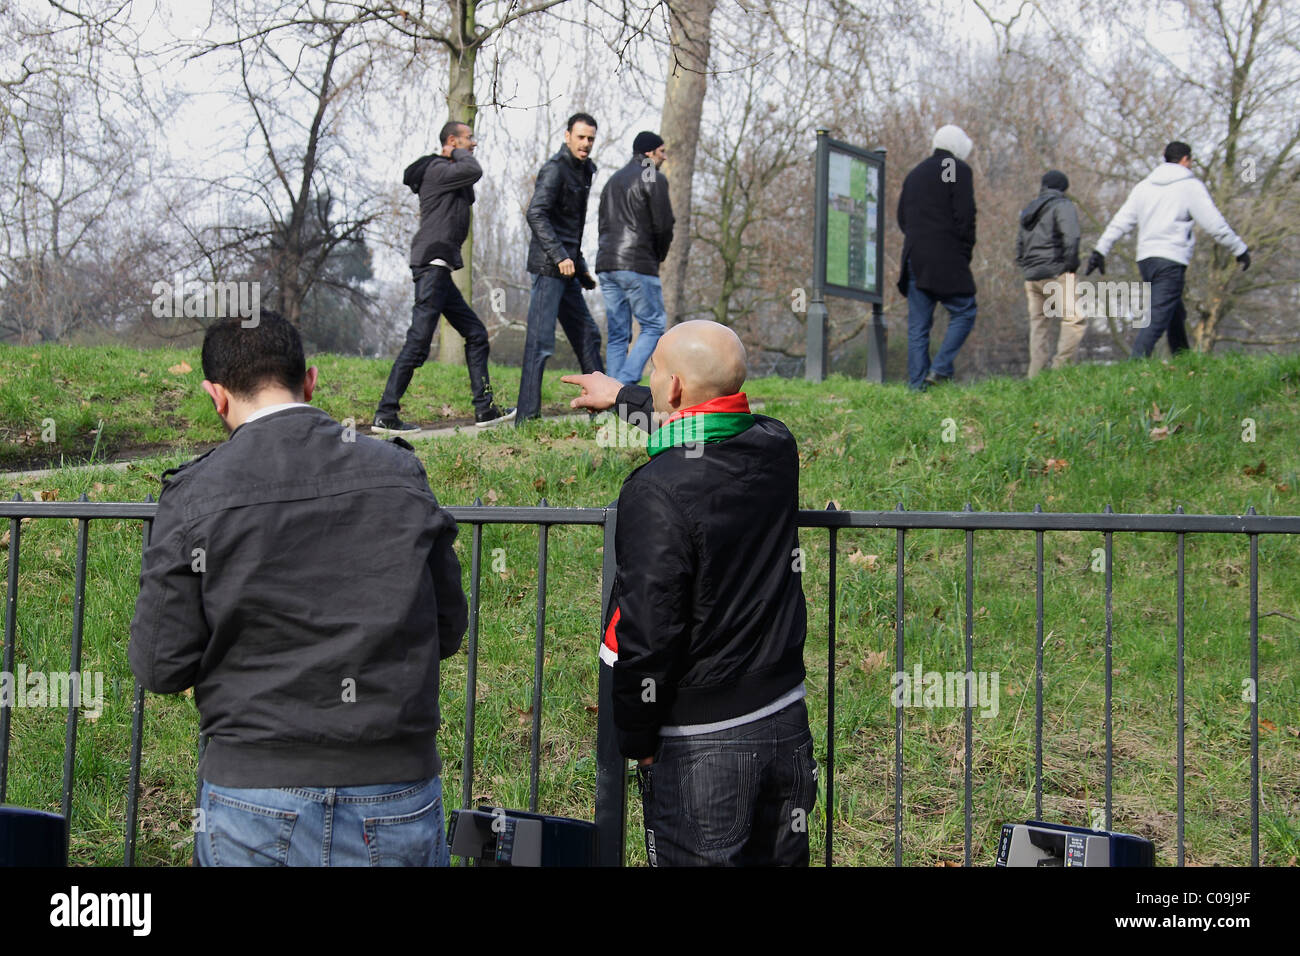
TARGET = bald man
(707,619)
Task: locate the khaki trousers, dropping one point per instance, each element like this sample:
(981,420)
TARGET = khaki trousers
(1050,299)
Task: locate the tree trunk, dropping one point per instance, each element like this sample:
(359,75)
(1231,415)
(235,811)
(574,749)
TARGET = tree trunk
(680,129)
(461,106)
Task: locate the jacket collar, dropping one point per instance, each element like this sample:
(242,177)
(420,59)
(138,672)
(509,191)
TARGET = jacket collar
(565,155)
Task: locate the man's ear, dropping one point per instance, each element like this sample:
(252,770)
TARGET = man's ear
(220,397)
(309,383)
(674,392)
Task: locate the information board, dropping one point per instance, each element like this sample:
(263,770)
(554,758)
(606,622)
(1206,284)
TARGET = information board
(852,257)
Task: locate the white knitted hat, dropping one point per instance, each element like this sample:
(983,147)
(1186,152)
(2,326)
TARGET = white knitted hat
(954,140)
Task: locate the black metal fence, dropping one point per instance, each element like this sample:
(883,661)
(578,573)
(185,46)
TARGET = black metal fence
(612,769)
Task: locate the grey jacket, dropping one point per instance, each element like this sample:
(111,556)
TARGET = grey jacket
(446,195)
(1047,243)
(301,579)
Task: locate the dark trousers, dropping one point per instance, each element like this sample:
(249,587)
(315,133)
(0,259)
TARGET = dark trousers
(554,297)
(739,797)
(1165,309)
(436,294)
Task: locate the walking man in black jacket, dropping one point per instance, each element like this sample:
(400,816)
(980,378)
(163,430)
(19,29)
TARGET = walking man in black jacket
(556,216)
(936,211)
(1047,251)
(445,184)
(636,229)
(707,616)
(312,642)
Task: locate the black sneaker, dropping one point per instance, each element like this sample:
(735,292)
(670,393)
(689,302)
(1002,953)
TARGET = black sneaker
(933,379)
(493,416)
(393,426)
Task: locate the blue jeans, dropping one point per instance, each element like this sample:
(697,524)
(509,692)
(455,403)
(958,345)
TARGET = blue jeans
(1166,312)
(629,294)
(387,824)
(920,318)
(436,294)
(554,297)
(741,797)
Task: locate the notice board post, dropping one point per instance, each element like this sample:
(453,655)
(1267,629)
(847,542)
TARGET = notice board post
(848,247)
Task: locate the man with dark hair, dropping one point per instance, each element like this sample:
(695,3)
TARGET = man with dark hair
(445,184)
(707,618)
(312,643)
(1047,251)
(556,216)
(636,229)
(936,211)
(1163,207)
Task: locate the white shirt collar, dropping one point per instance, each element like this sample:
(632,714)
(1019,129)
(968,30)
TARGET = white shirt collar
(272,409)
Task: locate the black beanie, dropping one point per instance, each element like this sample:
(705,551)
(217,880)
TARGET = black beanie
(646,142)
(1055,179)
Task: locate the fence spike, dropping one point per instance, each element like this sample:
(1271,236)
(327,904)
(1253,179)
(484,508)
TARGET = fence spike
(478,502)
(830,506)
(18,496)
(83,497)
(1038,509)
(900,507)
(1108,510)
(1178,510)
(968,507)
(543,504)
(1250,510)
(148,499)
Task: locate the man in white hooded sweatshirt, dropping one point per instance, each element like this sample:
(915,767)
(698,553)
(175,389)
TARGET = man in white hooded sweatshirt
(1163,207)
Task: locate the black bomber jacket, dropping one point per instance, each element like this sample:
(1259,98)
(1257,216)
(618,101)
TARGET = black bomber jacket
(301,579)
(707,608)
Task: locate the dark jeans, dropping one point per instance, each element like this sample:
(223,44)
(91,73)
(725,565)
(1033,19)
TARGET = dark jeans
(920,319)
(554,297)
(1165,309)
(436,294)
(741,797)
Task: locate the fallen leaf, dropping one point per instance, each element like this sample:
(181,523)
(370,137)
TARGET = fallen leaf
(870,561)
(1283,488)
(568,481)
(1267,725)
(181,368)
(873,661)
(1055,464)
(448,411)
(50,495)
(491,496)
(592,709)
(540,484)
(1159,432)
(1156,414)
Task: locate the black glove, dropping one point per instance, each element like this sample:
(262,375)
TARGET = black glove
(1244,259)
(587,280)
(1096,263)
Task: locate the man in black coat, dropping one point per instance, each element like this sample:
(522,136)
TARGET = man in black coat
(445,184)
(636,229)
(707,619)
(556,215)
(936,211)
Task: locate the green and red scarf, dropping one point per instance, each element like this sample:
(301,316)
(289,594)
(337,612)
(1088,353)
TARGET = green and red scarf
(717,419)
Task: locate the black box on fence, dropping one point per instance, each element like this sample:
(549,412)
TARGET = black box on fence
(1034,843)
(492,836)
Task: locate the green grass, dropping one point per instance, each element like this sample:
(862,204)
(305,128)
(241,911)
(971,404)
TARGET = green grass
(865,447)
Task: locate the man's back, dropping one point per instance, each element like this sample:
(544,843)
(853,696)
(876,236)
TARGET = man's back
(303,582)
(715,527)
(636,220)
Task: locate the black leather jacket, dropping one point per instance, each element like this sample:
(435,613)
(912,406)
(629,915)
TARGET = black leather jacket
(557,213)
(636,219)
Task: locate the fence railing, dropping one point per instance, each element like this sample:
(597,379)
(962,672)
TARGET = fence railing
(612,769)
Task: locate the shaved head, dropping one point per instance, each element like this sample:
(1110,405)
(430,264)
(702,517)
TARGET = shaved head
(695,362)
